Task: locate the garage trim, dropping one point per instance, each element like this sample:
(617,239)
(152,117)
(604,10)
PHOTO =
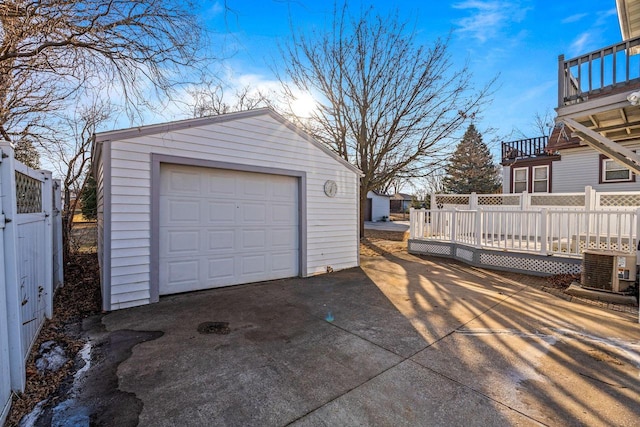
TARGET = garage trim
(158,159)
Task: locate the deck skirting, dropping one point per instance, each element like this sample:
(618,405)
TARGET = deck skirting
(517,262)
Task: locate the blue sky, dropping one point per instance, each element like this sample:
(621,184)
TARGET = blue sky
(518,41)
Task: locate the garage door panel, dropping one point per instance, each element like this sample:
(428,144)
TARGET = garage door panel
(221,268)
(281,262)
(181,271)
(221,184)
(254,213)
(180,182)
(282,237)
(283,191)
(221,240)
(254,264)
(239,227)
(284,214)
(181,210)
(222,212)
(254,239)
(179,242)
(254,187)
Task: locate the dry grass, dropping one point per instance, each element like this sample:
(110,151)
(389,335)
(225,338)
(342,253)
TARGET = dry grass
(84,238)
(380,243)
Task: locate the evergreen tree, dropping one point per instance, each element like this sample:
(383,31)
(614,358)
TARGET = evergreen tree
(26,152)
(89,198)
(471,168)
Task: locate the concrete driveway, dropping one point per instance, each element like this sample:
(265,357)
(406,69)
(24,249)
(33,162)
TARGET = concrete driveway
(401,341)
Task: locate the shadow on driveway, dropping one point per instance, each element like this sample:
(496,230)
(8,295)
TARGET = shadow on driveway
(401,341)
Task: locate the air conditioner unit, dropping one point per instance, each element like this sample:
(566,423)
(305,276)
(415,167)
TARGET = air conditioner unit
(608,270)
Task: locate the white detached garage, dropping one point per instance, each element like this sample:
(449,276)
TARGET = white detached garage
(219,201)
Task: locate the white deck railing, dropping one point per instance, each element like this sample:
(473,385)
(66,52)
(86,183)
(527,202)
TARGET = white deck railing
(544,231)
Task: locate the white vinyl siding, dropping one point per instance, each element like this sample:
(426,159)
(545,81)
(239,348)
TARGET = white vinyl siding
(579,167)
(260,141)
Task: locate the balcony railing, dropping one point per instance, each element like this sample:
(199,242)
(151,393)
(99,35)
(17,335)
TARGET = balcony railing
(606,68)
(524,148)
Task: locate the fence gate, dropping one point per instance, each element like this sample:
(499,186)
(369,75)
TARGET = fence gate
(28,277)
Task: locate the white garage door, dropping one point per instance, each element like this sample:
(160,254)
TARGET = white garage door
(220,227)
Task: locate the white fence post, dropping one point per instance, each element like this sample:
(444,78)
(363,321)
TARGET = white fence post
(14,323)
(454,219)
(525,201)
(47,208)
(473,201)
(5,371)
(543,231)
(478,226)
(589,198)
(58,262)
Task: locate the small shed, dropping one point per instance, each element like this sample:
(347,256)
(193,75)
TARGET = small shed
(219,201)
(401,202)
(377,206)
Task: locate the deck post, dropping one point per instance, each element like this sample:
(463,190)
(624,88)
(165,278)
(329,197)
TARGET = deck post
(473,201)
(561,81)
(478,225)
(453,225)
(543,231)
(637,243)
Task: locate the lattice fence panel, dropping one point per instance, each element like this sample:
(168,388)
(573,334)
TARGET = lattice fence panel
(452,199)
(529,264)
(29,194)
(601,244)
(465,254)
(427,248)
(498,200)
(558,200)
(615,200)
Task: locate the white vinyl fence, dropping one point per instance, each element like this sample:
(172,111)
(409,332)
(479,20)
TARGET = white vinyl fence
(30,264)
(544,231)
(544,223)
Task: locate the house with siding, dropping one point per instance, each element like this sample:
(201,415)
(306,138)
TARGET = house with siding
(219,201)
(597,135)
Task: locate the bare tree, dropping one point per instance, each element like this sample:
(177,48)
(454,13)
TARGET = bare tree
(541,123)
(53,50)
(388,105)
(71,155)
(208,99)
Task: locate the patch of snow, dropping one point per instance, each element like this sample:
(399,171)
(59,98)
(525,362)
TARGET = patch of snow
(69,414)
(30,419)
(85,354)
(52,357)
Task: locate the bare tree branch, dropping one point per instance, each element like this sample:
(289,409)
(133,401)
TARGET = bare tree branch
(53,50)
(387,104)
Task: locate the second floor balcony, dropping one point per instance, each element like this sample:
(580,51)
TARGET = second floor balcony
(524,149)
(593,91)
(606,71)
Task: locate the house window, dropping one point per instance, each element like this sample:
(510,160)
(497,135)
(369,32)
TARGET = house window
(520,180)
(541,179)
(611,171)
